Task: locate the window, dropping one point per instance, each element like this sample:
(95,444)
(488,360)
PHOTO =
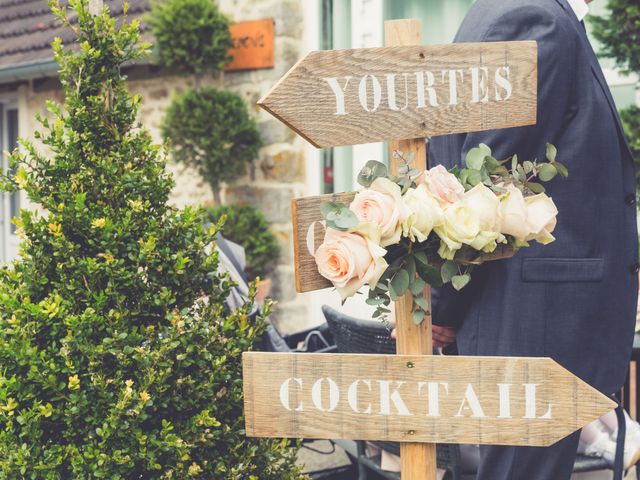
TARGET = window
(9,202)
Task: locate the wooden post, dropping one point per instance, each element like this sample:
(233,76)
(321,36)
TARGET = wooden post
(95,7)
(417,460)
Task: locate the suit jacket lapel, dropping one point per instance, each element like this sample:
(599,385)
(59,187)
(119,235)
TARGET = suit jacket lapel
(597,70)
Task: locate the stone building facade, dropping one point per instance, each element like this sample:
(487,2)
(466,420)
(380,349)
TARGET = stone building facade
(277,175)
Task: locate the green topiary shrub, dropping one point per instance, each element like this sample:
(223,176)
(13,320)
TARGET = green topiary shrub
(212,131)
(119,358)
(191,35)
(247,226)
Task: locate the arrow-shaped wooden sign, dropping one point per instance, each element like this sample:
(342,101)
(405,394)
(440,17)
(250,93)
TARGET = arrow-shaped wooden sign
(484,400)
(347,97)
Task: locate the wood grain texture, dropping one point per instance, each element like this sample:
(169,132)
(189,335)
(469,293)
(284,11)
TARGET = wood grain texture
(417,460)
(572,402)
(305,100)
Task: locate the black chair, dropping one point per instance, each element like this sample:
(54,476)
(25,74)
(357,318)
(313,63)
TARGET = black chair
(353,335)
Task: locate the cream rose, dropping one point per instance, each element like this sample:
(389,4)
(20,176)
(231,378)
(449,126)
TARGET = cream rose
(460,225)
(541,218)
(513,214)
(349,260)
(425,213)
(381,204)
(443,185)
(486,205)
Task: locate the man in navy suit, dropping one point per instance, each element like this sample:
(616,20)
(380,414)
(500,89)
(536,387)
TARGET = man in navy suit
(575,299)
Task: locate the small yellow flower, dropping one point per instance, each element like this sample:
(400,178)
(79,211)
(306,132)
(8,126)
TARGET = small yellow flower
(10,406)
(194,469)
(55,229)
(136,205)
(99,223)
(21,178)
(144,396)
(129,383)
(74,382)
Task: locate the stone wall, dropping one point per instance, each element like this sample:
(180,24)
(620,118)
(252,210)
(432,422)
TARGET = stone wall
(279,171)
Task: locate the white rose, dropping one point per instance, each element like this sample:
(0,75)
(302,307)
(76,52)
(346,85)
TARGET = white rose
(425,213)
(487,241)
(460,225)
(513,214)
(349,260)
(486,204)
(381,204)
(541,218)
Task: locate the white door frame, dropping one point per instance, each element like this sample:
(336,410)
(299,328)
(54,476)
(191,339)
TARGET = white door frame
(9,241)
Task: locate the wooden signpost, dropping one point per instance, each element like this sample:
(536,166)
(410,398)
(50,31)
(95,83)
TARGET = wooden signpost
(403,93)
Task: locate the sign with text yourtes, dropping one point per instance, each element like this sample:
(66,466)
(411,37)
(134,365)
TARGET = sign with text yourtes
(348,97)
(484,400)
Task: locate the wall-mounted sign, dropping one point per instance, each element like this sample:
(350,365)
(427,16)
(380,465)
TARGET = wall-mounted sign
(253,45)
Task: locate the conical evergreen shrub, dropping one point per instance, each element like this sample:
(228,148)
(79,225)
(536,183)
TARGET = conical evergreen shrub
(118,358)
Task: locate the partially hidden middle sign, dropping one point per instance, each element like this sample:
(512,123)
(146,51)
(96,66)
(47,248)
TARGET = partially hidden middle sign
(348,97)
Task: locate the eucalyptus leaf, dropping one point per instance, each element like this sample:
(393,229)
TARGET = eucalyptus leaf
(372,170)
(422,303)
(429,274)
(410,156)
(552,152)
(374,301)
(417,286)
(535,187)
(514,163)
(547,172)
(421,257)
(399,283)
(528,166)
(448,270)
(417,317)
(410,267)
(475,157)
(474,177)
(562,170)
(460,281)
(327,208)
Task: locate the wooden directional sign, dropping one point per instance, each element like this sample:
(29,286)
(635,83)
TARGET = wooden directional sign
(484,400)
(347,97)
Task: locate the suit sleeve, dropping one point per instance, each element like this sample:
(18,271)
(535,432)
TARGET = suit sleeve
(557,51)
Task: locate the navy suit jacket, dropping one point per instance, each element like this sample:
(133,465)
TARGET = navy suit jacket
(575,299)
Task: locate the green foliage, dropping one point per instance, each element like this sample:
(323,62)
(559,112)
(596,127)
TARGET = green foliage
(212,131)
(247,226)
(619,33)
(191,35)
(119,360)
(631,120)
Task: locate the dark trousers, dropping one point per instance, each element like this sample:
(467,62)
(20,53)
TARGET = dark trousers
(529,463)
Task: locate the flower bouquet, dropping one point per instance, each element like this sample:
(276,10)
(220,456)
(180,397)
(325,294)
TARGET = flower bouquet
(401,233)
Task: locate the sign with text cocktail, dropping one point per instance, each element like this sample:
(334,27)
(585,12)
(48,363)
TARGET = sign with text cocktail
(474,400)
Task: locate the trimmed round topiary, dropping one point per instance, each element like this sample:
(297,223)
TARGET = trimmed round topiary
(191,35)
(120,359)
(247,226)
(212,130)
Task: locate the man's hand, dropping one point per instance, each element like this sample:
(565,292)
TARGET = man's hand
(441,336)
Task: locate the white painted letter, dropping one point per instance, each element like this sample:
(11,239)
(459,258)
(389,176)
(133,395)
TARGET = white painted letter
(386,398)
(284,394)
(530,402)
(434,396)
(391,91)
(505,400)
(352,396)
(471,399)
(479,90)
(453,84)
(421,88)
(504,83)
(364,93)
(316,395)
(338,91)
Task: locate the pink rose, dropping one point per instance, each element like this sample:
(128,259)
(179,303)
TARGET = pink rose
(349,260)
(381,204)
(442,185)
